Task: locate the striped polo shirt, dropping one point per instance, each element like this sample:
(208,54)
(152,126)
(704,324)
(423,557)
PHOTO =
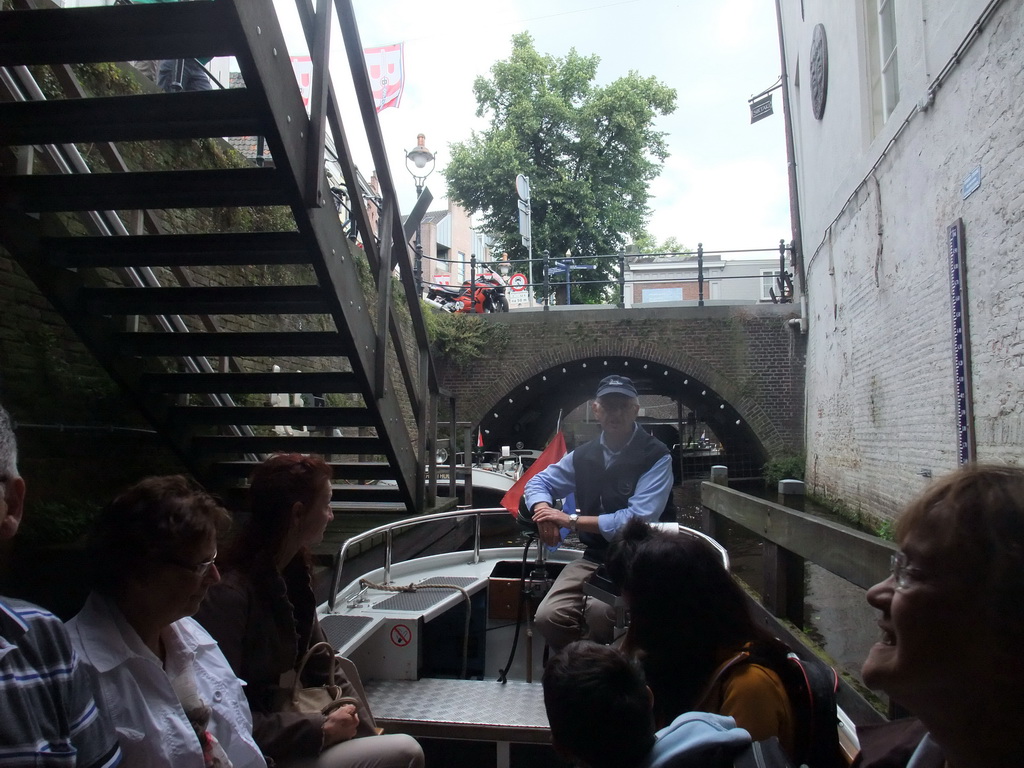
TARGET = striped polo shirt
(47,713)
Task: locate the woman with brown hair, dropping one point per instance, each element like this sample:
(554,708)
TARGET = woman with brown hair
(952,627)
(263,614)
(172,697)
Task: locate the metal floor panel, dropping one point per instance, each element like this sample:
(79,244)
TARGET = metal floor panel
(422,599)
(341,629)
(470,709)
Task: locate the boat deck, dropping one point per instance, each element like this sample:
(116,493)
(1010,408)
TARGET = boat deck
(482,710)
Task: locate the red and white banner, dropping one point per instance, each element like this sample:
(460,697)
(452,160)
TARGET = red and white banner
(385,65)
(303,66)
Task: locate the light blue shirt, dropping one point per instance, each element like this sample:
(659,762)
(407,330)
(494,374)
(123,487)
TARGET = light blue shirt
(647,502)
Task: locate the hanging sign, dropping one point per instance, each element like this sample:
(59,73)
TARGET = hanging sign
(761,108)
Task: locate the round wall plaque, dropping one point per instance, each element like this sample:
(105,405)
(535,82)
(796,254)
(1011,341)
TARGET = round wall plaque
(819,71)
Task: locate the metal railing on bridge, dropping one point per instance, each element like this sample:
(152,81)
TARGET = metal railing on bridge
(690,276)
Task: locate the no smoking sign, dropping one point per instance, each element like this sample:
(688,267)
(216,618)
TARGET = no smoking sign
(401,635)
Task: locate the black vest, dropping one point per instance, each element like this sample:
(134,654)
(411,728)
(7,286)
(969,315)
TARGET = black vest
(601,491)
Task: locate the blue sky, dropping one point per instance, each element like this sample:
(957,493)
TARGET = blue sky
(725,181)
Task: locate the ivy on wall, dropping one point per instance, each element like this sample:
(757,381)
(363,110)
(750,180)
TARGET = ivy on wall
(461,339)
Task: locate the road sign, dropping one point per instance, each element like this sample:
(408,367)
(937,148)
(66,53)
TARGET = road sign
(518,281)
(525,227)
(523,187)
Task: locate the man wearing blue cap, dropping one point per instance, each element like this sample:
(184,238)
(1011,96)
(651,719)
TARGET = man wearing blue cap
(624,473)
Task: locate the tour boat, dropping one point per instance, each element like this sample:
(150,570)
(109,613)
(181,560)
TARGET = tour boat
(444,642)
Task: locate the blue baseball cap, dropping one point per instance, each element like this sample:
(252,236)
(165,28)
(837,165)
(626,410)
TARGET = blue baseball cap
(616,385)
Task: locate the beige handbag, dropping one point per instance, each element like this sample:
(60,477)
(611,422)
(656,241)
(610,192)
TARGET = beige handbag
(322,699)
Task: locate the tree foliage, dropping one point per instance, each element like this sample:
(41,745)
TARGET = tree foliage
(646,243)
(589,151)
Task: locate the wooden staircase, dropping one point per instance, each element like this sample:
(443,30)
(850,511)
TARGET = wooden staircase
(194,350)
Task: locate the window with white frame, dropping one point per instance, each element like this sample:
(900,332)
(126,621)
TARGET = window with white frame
(768,284)
(889,59)
(883,59)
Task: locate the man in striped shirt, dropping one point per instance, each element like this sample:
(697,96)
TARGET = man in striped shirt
(47,713)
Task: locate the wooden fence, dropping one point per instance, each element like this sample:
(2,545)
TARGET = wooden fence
(792,538)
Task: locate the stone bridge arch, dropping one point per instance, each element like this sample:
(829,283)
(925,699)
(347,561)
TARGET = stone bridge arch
(741,369)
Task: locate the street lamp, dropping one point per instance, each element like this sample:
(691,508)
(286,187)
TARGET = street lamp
(417,160)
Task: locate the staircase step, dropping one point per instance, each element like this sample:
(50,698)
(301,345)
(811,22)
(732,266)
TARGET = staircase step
(352,520)
(260,383)
(311,417)
(355,470)
(148,117)
(378,507)
(351,493)
(177,250)
(117,33)
(219,300)
(282,344)
(148,189)
(346,446)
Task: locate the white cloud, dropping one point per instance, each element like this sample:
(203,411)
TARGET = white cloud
(725,181)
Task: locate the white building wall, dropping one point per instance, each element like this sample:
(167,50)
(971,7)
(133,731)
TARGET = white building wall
(880,379)
(726,281)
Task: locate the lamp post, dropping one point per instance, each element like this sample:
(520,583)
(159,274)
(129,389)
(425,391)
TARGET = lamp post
(417,161)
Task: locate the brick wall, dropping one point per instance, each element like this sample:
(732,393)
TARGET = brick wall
(881,412)
(746,357)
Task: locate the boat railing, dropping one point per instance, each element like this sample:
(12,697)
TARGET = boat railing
(388,532)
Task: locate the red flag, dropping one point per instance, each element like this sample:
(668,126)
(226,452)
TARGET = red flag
(554,452)
(385,65)
(480,438)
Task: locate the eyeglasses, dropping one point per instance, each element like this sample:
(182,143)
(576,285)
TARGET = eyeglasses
(199,569)
(903,573)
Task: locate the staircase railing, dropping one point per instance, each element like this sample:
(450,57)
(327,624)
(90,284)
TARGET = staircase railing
(389,250)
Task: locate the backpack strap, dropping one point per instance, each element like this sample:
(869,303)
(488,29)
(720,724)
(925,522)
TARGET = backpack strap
(811,686)
(816,684)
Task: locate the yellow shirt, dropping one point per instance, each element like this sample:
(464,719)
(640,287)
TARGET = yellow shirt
(754,696)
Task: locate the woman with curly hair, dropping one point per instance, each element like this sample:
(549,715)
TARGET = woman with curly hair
(169,690)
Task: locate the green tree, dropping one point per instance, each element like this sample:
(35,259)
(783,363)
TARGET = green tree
(646,243)
(589,151)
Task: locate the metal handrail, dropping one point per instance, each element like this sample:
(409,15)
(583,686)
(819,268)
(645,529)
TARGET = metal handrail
(622,273)
(388,531)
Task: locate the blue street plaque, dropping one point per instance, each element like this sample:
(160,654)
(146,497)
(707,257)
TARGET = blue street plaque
(971,182)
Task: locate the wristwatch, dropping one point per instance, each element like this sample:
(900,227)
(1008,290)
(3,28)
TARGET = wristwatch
(574,520)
